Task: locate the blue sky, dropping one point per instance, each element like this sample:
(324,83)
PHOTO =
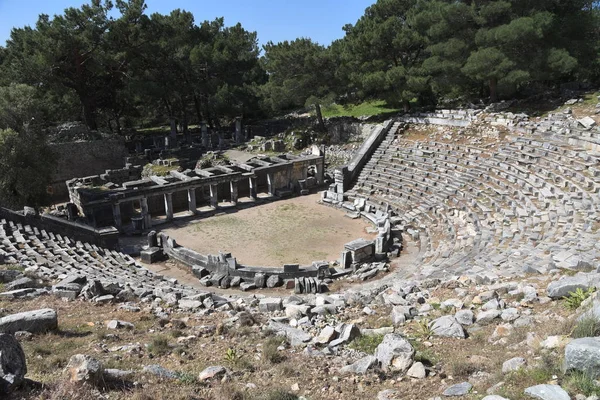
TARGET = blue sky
(276,20)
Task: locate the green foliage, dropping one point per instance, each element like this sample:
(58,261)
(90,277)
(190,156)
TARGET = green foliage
(423,328)
(578,382)
(159,346)
(271,352)
(574,299)
(26,165)
(586,327)
(366,343)
(369,107)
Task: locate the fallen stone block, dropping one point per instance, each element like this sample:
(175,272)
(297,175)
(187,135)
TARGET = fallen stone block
(31,321)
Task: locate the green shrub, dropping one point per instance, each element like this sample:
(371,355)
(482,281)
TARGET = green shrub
(366,343)
(270,351)
(580,382)
(586,327)
(574,299)
(159,346)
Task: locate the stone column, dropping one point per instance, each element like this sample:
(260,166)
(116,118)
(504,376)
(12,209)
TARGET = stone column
(204,131)
(320,171)
(116,209)
(271,184)
(192,200)
(252,183)
(233,186)
(145,214)
(238,130)
(214,197)
(169,206)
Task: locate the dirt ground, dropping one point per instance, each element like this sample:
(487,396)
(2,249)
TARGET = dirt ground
(297,230)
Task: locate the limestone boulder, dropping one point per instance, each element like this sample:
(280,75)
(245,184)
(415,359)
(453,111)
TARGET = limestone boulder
(447,326)
(360,366)
(212,373)
(395,353)
(31,321)
(562,287)
(547,392)
(583,355)
(13,366)
(83,368)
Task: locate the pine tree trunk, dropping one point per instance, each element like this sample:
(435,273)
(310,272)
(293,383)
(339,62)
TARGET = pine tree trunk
(493,90)
(321,124)
(406,106)
(89,114)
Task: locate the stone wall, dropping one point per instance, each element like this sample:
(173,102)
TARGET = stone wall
(80,159)
(226,264)
(107,238)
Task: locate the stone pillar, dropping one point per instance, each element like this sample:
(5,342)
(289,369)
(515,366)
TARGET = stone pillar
(252,184)
(233,186)
(145,214)
(320,178)
(271,184)
(204,130)
(169,206)
(238,130)
(214,197)
(192,200)
(116,209)
(152,239)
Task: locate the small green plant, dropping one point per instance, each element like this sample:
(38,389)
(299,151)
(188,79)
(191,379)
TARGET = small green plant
(580,382)
(231,356)
(271,352)
(423,328)
(366,343)
(588,326)
(159,346)
(186,379)
(574,299)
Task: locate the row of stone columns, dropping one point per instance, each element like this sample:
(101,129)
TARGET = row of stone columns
(192,206)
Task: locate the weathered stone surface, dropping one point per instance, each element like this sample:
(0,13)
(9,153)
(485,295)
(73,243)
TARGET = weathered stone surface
(31,321)
(388,394)
(9,275)
(547,392)
(395,352)
(13,365)
(296,336)
(116,324)
(160,371)
(260,280)
(83,368)
(583,355)
(270,304)
(447,326)
(327,335)
(561,288)
(417,371)
(460,389)
(486,317)
(274,281)
(346,333)
(212,372)
(514,364)
(360,366)
(21,283)
(464,317)
(494,397)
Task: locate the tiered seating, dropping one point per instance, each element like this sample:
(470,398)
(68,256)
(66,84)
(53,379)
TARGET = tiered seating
(527,205)
(54,257)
